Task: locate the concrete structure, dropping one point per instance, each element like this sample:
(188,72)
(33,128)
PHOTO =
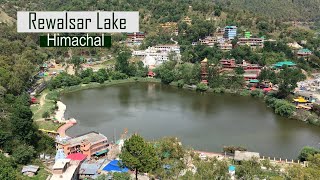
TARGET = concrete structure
(230,32)
(135,38)
(251,74)
(157,55)
(88,144)
(65,169)
(245,155)
(252,42)
(225,46)
(208,41)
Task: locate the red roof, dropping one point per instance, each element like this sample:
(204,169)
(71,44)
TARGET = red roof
(267,89)
(76,156)
(150,73)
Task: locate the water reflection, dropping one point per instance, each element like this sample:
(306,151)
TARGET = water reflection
(203,121)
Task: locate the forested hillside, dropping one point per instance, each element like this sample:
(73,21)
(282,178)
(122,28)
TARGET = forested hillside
(303,10)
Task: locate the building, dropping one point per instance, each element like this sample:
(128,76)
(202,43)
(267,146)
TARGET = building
(251,74)
(252,42)
(154,56)
(204,71)
(225,46)
(208,41)
(65,169)
(304,53)
(30,170)
(228,63)
(284,63)
(88,144)
(230,32)
(249,66)
(89,170)
(135,38)
(187,20)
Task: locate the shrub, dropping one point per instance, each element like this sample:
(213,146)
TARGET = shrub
(256,93)
(115,75)
(46,114)
(202,87)
(232,149)
(218,90)
(245,92)
(86,80)
(180,83)
(306,152)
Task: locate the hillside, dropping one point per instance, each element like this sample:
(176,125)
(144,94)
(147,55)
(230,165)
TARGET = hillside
(302,10)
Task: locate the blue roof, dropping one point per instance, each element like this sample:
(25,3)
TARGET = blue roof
(114,167)
(60,154)
(232,168)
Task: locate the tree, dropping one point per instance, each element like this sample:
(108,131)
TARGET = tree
(139,155)
(7,168)
(287,80)
(239,70)
(306,152)
(171,154)
(122,63)
(121,176)
(23,154)
(212,169)
(249,169)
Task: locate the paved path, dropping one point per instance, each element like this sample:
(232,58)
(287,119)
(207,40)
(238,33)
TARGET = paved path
(62,129)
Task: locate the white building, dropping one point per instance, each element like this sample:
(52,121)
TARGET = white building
(157,55)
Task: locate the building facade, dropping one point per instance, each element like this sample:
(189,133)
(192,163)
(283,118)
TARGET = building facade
(230,32)
(252,42)
(88,144)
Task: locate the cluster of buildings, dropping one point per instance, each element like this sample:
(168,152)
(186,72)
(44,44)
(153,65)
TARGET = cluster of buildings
(80,157)
(252,71)
(223,36)
(156,55)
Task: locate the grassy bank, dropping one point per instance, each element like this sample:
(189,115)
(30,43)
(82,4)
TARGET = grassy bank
(105,84)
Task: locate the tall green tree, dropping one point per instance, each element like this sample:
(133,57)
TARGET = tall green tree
(139,155)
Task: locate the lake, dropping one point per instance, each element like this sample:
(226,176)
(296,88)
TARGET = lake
(204,121)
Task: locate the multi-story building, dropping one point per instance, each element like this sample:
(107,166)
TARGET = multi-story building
(230,32)
(208,41)
(225,46)
(228,63)
(252,42)
(135,38)
(88,144)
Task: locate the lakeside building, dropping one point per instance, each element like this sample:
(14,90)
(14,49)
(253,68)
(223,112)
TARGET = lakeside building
(89,144)
(230,32)
(65,169)
(225,46)
(135,38)
(252,42)
(304,53)
(251,74)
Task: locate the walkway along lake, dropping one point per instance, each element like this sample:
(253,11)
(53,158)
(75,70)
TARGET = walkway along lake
(204,121)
